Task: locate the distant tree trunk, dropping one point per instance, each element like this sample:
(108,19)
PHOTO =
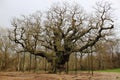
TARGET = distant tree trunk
(5,60)
(112,60)
(88,63)
(30,64)
(53,64)
(75,63)
(1,64)
(45,65)
(101,61)
(35,61)
(39,62)
(91,62)
(118,59)
(23,62)
(18,65)
(80,61)
(67,67)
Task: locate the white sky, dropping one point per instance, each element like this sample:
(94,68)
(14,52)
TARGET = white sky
(14,8)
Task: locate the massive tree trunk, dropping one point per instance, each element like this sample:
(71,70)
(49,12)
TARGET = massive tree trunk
(58,64)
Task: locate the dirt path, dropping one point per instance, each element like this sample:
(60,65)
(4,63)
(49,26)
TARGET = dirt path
(39,76)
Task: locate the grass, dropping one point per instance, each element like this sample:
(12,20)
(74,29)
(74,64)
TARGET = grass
(110,70)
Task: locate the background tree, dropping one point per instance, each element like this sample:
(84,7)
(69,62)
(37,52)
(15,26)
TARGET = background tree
(7,54)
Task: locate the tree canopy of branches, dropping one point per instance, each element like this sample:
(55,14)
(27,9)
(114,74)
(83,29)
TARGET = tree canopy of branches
(62,30)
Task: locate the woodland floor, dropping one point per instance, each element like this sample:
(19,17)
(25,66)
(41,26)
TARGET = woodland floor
(71,76)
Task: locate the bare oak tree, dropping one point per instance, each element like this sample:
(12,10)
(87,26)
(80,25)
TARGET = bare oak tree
(62,30)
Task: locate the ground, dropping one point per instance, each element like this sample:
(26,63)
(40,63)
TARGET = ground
(71,76)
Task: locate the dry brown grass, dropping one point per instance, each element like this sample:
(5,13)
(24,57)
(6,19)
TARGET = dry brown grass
(40,76)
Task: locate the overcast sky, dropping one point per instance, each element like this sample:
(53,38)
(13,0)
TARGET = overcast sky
(14,8)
